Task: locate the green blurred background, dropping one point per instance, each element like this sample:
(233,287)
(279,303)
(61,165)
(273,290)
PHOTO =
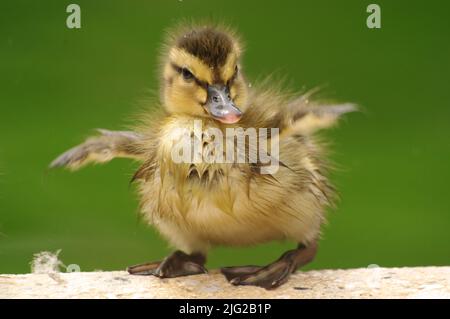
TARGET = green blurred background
(57,84)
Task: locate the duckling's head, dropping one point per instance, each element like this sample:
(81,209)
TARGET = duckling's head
(202,75)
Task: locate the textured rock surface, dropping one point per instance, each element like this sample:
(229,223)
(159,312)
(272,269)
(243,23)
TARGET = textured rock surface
(421,282)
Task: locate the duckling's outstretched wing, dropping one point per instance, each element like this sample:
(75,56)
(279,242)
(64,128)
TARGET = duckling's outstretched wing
(101,149)
(270,108)
(305,119)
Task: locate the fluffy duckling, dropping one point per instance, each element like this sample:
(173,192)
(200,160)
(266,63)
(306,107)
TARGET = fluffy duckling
(198,204)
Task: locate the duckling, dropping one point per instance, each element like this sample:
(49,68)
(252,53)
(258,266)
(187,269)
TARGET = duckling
(197,205)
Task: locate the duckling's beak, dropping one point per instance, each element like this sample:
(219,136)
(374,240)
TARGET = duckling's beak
(220,106)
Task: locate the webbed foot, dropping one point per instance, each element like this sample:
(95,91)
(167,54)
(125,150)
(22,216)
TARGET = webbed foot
(274,274)
(176,265)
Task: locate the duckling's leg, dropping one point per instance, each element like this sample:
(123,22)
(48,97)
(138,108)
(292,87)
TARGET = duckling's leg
(274,274)
(176,265)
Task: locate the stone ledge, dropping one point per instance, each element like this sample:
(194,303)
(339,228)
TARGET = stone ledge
(419,282)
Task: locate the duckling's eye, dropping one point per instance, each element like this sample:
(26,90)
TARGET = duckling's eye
(187,75)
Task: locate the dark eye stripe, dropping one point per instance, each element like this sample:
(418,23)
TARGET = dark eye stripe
(233,77)
(179,69)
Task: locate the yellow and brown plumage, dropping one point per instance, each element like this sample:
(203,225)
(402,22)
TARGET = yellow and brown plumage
(196,206)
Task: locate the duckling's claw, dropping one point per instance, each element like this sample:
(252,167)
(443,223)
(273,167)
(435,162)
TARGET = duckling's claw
(143,269)
(231,273)
(176,265)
